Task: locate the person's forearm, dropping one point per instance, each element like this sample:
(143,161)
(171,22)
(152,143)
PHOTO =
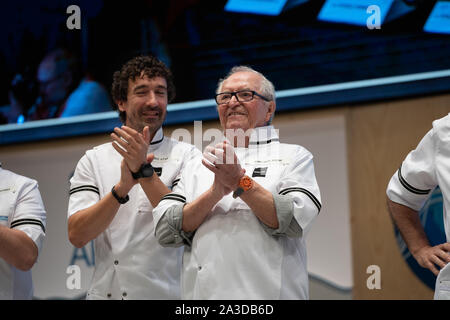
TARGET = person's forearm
(17,249)
(261,203)
(154,189)
(194,213)
(88,223)
(408,222)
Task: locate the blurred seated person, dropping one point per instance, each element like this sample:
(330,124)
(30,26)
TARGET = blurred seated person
(22,94)
(63,91)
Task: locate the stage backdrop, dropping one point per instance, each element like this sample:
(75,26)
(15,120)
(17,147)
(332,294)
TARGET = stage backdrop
(356,150)
(51,163)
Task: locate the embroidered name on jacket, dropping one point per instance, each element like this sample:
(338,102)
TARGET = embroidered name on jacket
(259,172)
(158,171)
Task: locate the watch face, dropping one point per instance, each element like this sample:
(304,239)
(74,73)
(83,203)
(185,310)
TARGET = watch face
(147,170)
(246,183)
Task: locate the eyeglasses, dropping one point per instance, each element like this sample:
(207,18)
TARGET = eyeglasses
(241,96)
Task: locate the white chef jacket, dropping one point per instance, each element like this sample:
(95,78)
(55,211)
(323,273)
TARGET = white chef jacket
(231,255)
(21,208)
(422,170)
(129,262)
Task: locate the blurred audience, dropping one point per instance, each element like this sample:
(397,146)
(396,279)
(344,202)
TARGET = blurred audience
(59,90)
(22,95)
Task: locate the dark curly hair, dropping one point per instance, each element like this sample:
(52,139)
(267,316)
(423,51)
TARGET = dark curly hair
(142,65)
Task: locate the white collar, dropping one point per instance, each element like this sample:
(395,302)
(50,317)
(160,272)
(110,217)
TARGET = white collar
(157,139)
(263,135)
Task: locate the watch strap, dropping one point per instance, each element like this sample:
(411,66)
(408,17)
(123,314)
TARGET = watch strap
(140,173)
(245,184)
(238,192)
(136,175)
(119,199)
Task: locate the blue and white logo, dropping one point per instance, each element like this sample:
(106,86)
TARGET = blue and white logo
(431,217)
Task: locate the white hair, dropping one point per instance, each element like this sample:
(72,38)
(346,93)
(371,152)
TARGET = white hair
(267,89)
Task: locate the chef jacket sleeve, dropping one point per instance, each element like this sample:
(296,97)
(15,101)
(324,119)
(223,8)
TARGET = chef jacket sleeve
(84,190)
(297,200)
(416,178)
(29,214)
(168,215)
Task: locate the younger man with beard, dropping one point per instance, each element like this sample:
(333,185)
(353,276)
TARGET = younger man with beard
(116,185)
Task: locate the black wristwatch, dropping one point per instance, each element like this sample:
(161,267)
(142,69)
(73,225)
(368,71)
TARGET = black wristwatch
(119,199)
(145,171)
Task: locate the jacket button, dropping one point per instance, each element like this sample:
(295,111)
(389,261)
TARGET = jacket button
(199,268)
(116,262)
(109,295)
(124,294)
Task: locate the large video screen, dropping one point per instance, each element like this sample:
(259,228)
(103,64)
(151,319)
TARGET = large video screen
(57,58)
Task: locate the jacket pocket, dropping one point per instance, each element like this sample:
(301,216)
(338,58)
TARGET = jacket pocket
(443,292)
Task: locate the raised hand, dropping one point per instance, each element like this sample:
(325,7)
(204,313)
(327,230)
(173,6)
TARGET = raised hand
(430,257)
(126,181)
(222,160)
(132,145)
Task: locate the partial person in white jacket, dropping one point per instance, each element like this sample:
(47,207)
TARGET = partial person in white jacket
(422,170)
(22,231)
(116,185)
(243,211)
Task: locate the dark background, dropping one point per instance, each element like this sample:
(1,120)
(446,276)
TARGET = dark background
(201,42)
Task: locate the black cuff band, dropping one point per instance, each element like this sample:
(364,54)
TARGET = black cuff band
(119,199)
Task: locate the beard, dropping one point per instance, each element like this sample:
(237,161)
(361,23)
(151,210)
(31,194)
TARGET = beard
(139,120)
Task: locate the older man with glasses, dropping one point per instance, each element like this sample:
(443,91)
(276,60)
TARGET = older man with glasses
(243,210)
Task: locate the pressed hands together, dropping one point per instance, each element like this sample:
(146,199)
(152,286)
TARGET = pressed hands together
(223,162)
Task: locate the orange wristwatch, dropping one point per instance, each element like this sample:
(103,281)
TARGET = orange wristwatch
(245,184)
